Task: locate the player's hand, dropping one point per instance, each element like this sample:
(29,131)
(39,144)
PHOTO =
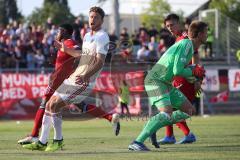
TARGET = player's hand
(198,93)
(57,44)
(199,71)
(82,80)
(60,45)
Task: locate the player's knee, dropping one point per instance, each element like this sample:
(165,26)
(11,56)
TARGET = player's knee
(47,106)
(167,114)
(53,106)
(168,110)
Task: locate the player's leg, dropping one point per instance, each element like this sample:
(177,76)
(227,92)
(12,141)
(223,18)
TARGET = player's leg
(155,123)
(94,111)
(184,127)
(56,79)
(122,109)
(159,96)
(113,118)
(41,144)
(164,103)
(55,106)
(189,137)
(127,109)
(60,85)
(38,119)
(68,93)
(52,116)
(189,91)
(39,115)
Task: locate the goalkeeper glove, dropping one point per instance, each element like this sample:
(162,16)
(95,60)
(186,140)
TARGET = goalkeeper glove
(198,93)
(198,71)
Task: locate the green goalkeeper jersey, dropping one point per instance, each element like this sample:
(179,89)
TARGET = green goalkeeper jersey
(173,62)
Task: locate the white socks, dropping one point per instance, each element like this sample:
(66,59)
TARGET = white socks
(46,124)
(48,120)
(57,125)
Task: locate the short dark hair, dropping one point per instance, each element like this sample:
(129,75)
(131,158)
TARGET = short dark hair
(171,16)
(195,28)
(187,21)
(97,10)
(67,27)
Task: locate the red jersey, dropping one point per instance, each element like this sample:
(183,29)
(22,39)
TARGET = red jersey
(182,36)
(63,69)
(62,57)
(184,86)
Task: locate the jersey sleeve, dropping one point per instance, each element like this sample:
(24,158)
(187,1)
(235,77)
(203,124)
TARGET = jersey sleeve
(102,44)
(182,58)
(71,44)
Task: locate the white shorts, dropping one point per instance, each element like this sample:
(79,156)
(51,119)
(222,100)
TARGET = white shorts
(70,92)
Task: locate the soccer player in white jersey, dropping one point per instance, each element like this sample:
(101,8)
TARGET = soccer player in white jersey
(79,84)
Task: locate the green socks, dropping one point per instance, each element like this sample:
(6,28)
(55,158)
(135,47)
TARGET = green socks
(158,121)
(154,123)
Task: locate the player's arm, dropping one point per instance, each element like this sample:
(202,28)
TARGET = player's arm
(102,46)
(181,60)
(197,82)
(73,51)
(98,64)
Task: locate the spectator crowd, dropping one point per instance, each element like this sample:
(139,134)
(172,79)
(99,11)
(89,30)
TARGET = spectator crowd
(31,46)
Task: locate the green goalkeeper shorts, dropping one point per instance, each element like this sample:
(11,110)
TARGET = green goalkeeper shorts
(161,94)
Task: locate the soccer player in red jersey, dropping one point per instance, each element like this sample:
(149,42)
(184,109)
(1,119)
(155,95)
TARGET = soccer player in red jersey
(172,23)
(63,69)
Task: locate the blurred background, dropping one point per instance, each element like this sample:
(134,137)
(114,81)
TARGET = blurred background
(28,29)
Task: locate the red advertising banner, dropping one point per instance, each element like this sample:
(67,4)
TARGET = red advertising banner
(20,93)
(110,82)
(23,85)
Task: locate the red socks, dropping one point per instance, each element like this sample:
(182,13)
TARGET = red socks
(38,122)
(98,112)
(182,125)
(169,130)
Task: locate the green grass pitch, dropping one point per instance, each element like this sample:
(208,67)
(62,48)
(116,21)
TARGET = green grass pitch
(218,138)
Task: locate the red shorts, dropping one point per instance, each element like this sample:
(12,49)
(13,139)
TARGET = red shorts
(185,87)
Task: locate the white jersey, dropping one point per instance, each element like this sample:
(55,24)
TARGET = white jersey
(92,45)
(95,44)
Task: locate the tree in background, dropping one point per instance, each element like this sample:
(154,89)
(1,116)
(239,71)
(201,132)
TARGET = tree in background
(58,10)
(231,8)
(114,16)
(9,11)
(156,12)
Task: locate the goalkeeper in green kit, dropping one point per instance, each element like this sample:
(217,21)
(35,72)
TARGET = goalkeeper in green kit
(158,84)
